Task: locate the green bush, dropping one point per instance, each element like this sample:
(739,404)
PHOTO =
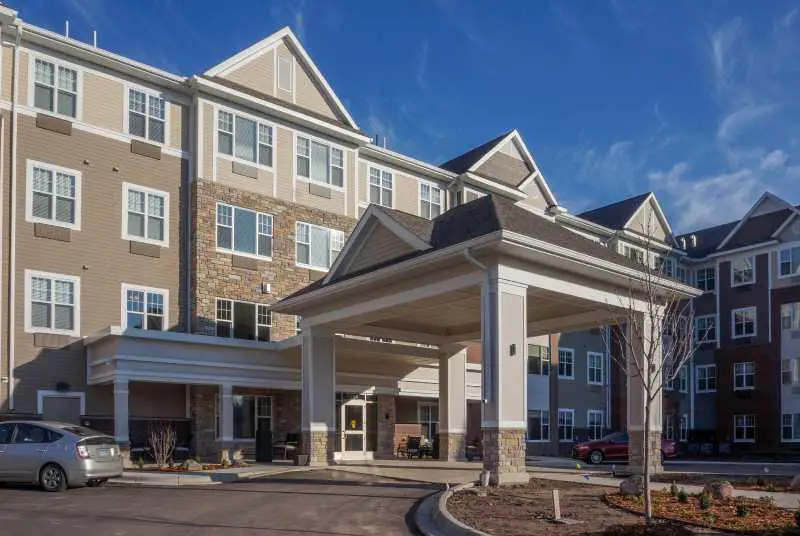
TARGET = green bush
(705,501)
(771,488)
(682,496)
(742,510)
(140,462)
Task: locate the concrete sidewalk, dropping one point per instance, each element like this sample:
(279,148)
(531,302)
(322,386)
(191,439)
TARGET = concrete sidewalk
(203,478)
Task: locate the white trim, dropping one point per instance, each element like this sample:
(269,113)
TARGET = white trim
(788,248)
(232,157)
(290,61)
(602,421)
(125,287)
(412,164)
(127,87)
(199,142)
(659,212)
(330,145)
(712,316)
(442,195)
(128,186)
(752,259)
(754,310)
(330,246)
(549,425)
(495,187)
(233,232)
(30,164)
(571,412)
(76,305)
(34,55)
(735,251)
(380,169)
(697,378)
(744,364)
(41,394)
(784,225)
(571,352)
(589,355)
(764,196)
(735,440)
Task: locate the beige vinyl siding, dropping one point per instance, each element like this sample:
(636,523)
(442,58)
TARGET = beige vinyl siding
(209,131)
(381,246)
(22,89)
(178,126)
(261,185)
(103,102)
(351,184)
(304,197)
(257,74)
(363,182)
(405,193)
(536,198)
(645,221)
(508,170)
(97,253)
(285,163)
(282,51)
(309,95)
(510,149)
(8,73)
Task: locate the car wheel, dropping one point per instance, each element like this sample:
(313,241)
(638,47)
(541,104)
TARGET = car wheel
(596,457)
(52,478)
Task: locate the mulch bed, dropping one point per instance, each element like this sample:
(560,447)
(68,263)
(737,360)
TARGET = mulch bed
(766,482)
(761,517)
(528,509)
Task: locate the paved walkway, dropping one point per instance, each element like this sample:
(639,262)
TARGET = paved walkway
(204,478)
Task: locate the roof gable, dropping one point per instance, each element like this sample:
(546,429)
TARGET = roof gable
(256,68)
(616,215)
(649,220)
(761,221)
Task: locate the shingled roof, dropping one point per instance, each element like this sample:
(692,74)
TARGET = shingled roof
(615,215)
(462,163)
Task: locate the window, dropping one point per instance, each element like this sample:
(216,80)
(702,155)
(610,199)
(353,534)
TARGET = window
(566,425)
(319,162)
(52,304)
(744,322)
(664,265)
(705,329)
(789,262)
(743,271)
(144,308)
(744,428)
(55,88)
(538,425)
(244,232)
(53,195)
(244,139)
(147,115)
(147,215)
(683,380)
(430,200)
(790,316)
(706,378)
(297,329)
(706,279)
(744,376)
(790,427)
(249,413)
(285,73)
(633,253)
(30,433)
(317,247)
(683,275)
(538,360)
(669,426)
(429,420)
(684,429)
(5,433)
(595,362)
(380,187)
(790,371)
(243,320)
(566,363)
(594,423)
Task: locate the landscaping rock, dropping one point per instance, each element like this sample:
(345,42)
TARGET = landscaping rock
(633,485)
(719,489)
(192,465)
(794,485)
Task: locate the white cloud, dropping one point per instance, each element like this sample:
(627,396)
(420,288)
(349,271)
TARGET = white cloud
(774,160)
(736,122)
(724,61)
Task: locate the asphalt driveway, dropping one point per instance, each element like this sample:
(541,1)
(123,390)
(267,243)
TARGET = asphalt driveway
(295,504)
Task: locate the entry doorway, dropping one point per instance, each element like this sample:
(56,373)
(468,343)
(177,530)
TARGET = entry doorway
(357,414)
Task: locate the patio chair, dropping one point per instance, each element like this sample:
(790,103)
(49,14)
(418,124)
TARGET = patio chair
(413,444)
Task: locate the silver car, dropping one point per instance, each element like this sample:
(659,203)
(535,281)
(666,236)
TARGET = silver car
(57,455)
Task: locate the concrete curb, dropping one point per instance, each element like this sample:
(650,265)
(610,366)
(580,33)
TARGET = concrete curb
(433,518)
(160,480)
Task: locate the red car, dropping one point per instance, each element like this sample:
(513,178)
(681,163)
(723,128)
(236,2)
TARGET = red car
(614,447)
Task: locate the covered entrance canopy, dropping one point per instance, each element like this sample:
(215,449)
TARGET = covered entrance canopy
(487,270)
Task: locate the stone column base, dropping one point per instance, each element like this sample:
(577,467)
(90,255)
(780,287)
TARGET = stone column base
(452,446)
(636,452)
(319,446)
(504,455)
(125,452)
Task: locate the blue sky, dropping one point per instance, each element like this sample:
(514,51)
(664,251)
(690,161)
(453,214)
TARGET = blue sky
(695,100)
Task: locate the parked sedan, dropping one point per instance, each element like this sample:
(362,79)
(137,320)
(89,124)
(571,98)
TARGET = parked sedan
(614,447)
(57,455)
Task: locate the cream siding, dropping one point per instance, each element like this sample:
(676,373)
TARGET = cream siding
(309,95)
(536,199)
(8,72)
(646,222)
(257,74)
(333,204)
(381,245)
(282,51)
(178,126)
(22,89)
(104,102)
(209,131)
(506,169)
(285,164)
(261,185)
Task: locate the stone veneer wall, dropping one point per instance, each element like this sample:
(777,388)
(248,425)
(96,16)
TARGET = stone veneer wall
(387,417)
(204,433)
(452,446)
(636,453)
(319,446)
(213,273)
(504,455)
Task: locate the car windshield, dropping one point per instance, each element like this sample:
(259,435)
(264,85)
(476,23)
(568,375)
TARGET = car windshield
(618,437)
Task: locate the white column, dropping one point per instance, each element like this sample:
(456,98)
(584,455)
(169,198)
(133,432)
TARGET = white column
(504,334)
(453,404)
(318,396)
(226,413)
(121,433)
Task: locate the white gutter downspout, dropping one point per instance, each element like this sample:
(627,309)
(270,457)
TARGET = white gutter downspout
(486,333)
(12,265)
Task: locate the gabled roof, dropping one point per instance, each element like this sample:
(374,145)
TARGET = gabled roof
(757,229)
(267,44)
(466,162)
(707,239)
(616,215)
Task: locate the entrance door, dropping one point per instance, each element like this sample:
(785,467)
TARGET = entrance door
(354,442)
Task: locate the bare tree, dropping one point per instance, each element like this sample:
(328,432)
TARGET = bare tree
(161,437)
(653,334)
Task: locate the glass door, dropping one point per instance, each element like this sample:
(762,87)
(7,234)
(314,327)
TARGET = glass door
(353,429)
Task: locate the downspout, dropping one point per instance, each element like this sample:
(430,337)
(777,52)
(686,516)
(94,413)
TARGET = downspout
(12,265)
(486,386)
(187,217)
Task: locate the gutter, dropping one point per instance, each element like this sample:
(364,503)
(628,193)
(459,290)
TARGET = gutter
(12,264)
(487,381)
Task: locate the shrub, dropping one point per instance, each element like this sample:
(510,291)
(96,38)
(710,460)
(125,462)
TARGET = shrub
(140,462)
(673,489)
(682,496)
(771,488)
(797,518)
(705,501)
(161,437)
(742,510)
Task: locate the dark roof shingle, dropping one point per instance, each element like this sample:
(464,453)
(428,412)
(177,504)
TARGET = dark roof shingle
(462,163)
(615,215)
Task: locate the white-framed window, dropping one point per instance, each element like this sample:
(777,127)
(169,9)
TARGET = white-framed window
(744,376)
(706,376)
(538,425)
(285,73)
(743,322)
(245,138)
(743,271)
(566,425)
(144,308)
(52,303)
(297,329)
(790,316)
(789,262)
(664,265)
(249,412)
(319,162)
(243,320)
(706,279)
(683,380)
(147,115)
(430,200)
(317,247)
(381,187)
(744,428)
(538,360)
(790,371)
(55,87)
(632,252)
(705,329)
(683,274)
(146,217)
(53,195)
(669,426)
(244,232)
(428,416)
(790,427)
(594,423)
(595,368)
(684,428)
(566,363)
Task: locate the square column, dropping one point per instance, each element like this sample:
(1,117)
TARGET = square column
(121,433)
(504,326)
(453,405)
(387,418)
(318,403)
(644,344)
(226,422)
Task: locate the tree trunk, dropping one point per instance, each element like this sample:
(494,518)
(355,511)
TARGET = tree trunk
(648,504)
